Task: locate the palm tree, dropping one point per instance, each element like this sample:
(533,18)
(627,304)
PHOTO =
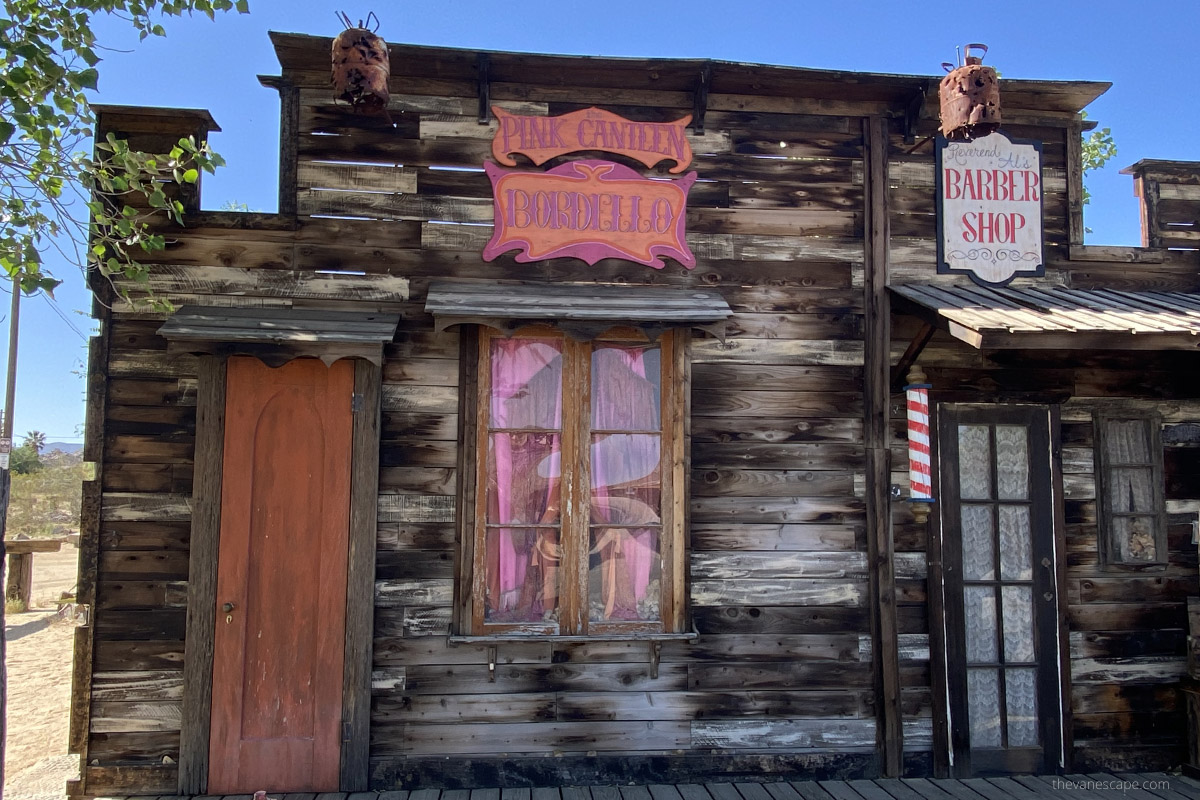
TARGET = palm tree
(36,440)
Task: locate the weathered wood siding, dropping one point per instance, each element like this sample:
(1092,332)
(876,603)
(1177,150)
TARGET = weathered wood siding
(781,677)
(1127,629)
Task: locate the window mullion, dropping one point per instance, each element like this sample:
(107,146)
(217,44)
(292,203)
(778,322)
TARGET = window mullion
(574,471)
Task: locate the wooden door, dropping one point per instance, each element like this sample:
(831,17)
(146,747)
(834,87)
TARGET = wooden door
(281,578)
(1001,604)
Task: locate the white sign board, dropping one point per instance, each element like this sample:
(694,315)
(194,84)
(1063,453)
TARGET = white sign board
(989,208)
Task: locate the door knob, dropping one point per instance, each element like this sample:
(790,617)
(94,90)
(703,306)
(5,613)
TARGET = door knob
(228,607)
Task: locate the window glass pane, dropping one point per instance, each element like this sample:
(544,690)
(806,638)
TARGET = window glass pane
(624,574)
(1131,489)
(1016,557)
(1134,538)
(974,462)
(983,707)
(978,542)
(626,387)
(1018,624)
(522,575)
(980,602)
(626,479)
(1012,462)
(526,383)
(1127,441)
(523,478)
(1021,701)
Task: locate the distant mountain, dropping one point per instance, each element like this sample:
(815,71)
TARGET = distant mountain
(66,447)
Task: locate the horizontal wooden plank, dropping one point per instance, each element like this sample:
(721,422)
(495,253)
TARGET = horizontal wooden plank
(129,717)
(779,675)
(115,656)
(791,734)
(355,177)
(794,592)
(513,678)
(137,685)
(128,506)
(777,509)
(464,708)
(542,737)
(416,508)
(142,565)
(1149,669)
(825,704)
(162,779)
(783,537)
(771,483)
(140,594)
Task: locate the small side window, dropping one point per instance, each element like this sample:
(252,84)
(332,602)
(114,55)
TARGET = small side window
(1129,488)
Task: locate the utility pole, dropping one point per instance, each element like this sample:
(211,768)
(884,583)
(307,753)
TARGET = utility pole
(6,431)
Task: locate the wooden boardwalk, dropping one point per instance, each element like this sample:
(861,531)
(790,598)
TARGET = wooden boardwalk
(1120,786)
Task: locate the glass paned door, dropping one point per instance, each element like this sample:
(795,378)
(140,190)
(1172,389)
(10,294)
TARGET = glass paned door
(1001,603)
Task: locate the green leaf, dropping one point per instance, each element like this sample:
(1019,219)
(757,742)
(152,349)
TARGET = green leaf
(191,176)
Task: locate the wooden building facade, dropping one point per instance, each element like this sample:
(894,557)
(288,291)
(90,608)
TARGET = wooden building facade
(794,618)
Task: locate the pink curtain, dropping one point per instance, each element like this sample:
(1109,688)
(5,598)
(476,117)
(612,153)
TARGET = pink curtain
(523,479)
(626,483)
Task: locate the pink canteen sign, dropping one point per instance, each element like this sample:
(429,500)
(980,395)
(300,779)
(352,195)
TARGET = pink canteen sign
(543,138)
(589,210)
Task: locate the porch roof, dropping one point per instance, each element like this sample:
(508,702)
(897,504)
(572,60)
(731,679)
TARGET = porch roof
(277,335)
(583,310)
(1055,318)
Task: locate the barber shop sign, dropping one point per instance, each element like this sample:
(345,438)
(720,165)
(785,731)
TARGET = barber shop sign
(989,208)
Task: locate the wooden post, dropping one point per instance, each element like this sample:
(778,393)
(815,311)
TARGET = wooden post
(360,580)
(1075,183)
(202,577)
(876,390)
(89,535)
(289,136)
(19,586)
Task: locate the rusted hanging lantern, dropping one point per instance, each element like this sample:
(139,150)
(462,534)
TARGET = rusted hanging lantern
(970,97)
(360,66)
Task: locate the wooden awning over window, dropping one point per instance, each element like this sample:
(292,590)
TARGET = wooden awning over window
(1054,318)
(582,311)
(277,335)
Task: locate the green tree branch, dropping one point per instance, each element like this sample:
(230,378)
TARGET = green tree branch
(46,182)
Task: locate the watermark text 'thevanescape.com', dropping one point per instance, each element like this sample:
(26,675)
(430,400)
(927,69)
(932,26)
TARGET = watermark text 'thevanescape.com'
(1114,784)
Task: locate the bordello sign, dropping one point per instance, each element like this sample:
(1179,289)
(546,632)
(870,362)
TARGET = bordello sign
(590,209)
(989,208)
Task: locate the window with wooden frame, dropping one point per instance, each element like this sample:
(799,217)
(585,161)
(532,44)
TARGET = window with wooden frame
(573,522)
(1129,487)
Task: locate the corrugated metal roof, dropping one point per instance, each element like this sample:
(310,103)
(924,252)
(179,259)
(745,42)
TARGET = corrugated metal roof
(1034,317)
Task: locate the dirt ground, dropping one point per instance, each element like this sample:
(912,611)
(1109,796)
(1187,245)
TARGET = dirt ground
(36,764)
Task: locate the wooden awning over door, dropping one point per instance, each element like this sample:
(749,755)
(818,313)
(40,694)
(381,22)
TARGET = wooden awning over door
(1054,318)
(582,311)
(277,335)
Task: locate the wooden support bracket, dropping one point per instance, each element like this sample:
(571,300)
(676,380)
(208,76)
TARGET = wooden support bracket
(912,112)
(483,68)
(655,655)
(911,354)
(700,98)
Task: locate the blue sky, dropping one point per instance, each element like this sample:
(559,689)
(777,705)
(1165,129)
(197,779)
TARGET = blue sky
(1146,49)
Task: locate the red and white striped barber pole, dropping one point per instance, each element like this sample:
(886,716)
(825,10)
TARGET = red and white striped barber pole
(920,477)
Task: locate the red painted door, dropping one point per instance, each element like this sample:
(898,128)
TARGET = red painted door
(281,578)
